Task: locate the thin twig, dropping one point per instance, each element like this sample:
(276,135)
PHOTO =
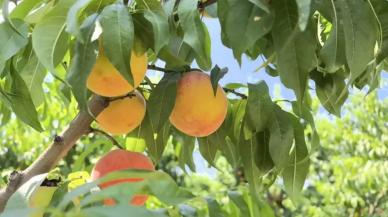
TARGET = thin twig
(243,96)
(111,138)
(204,4)
(121,97)
(160,69)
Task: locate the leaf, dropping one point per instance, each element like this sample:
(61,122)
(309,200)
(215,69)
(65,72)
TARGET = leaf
(333,51)
(208,150)
(21,102)
(382,16)
(214,208)
(162,100)
(259,107)
(215,75)
(49,39)
(360,31)
(238,199)
(261,4)
(186,151)
(243,17)
(157,18)
(247,150)
(295,50)
(187,211)
(19,200)
(72,19)
(33,74)
(118,38)
(304,10)
(262,156)
(329,90)
(196,34)
(11,40)
(281,138)
(23,8)
(156,183)
(102,211)
(295,175)
(303,111)
(82,62)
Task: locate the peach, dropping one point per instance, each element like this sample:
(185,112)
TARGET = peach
(197,112)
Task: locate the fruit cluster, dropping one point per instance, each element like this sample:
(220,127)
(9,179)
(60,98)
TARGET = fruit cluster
(197,112)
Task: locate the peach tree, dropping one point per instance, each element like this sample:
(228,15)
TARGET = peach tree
(96,53)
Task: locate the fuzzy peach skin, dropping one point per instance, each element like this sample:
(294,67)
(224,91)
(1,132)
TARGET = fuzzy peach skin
(105,80)
(197,112)
(121,160)
(122,115)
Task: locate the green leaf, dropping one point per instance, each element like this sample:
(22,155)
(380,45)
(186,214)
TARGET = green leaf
(102,211)
(157,18)
(73,18)
(186,150)
(295,175)
(215,75)
(23,8)
(360,30)
(261,4)
(214,208)
(162,100)
(333,51)
(262,156)
(382,16)
(19,200)
(33,73)
(118,38)
(157,183)
(295,50)
(259,107)
(196,34)
(304,10)
(281,138)
(247,150)
(82,62)
(49,39)
(21,103)
(208,150)
(11,40)
(329,90)
(238,199)
(239,17)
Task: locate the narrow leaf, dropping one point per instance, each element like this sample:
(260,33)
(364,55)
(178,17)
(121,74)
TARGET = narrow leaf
(295,50)
(82,62)
(215,75)
(281,138)
(118,38)
(49,39)
(196,34)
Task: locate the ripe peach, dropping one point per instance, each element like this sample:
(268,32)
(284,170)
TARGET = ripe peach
(123,115)
(105,80)
(121,160)
(197,112)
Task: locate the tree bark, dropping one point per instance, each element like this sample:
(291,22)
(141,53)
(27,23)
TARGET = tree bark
(79,126)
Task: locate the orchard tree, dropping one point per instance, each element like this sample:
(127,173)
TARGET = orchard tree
(98,52)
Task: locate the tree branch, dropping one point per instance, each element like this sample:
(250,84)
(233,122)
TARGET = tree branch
(203,4)
(111,138)
(56,151)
